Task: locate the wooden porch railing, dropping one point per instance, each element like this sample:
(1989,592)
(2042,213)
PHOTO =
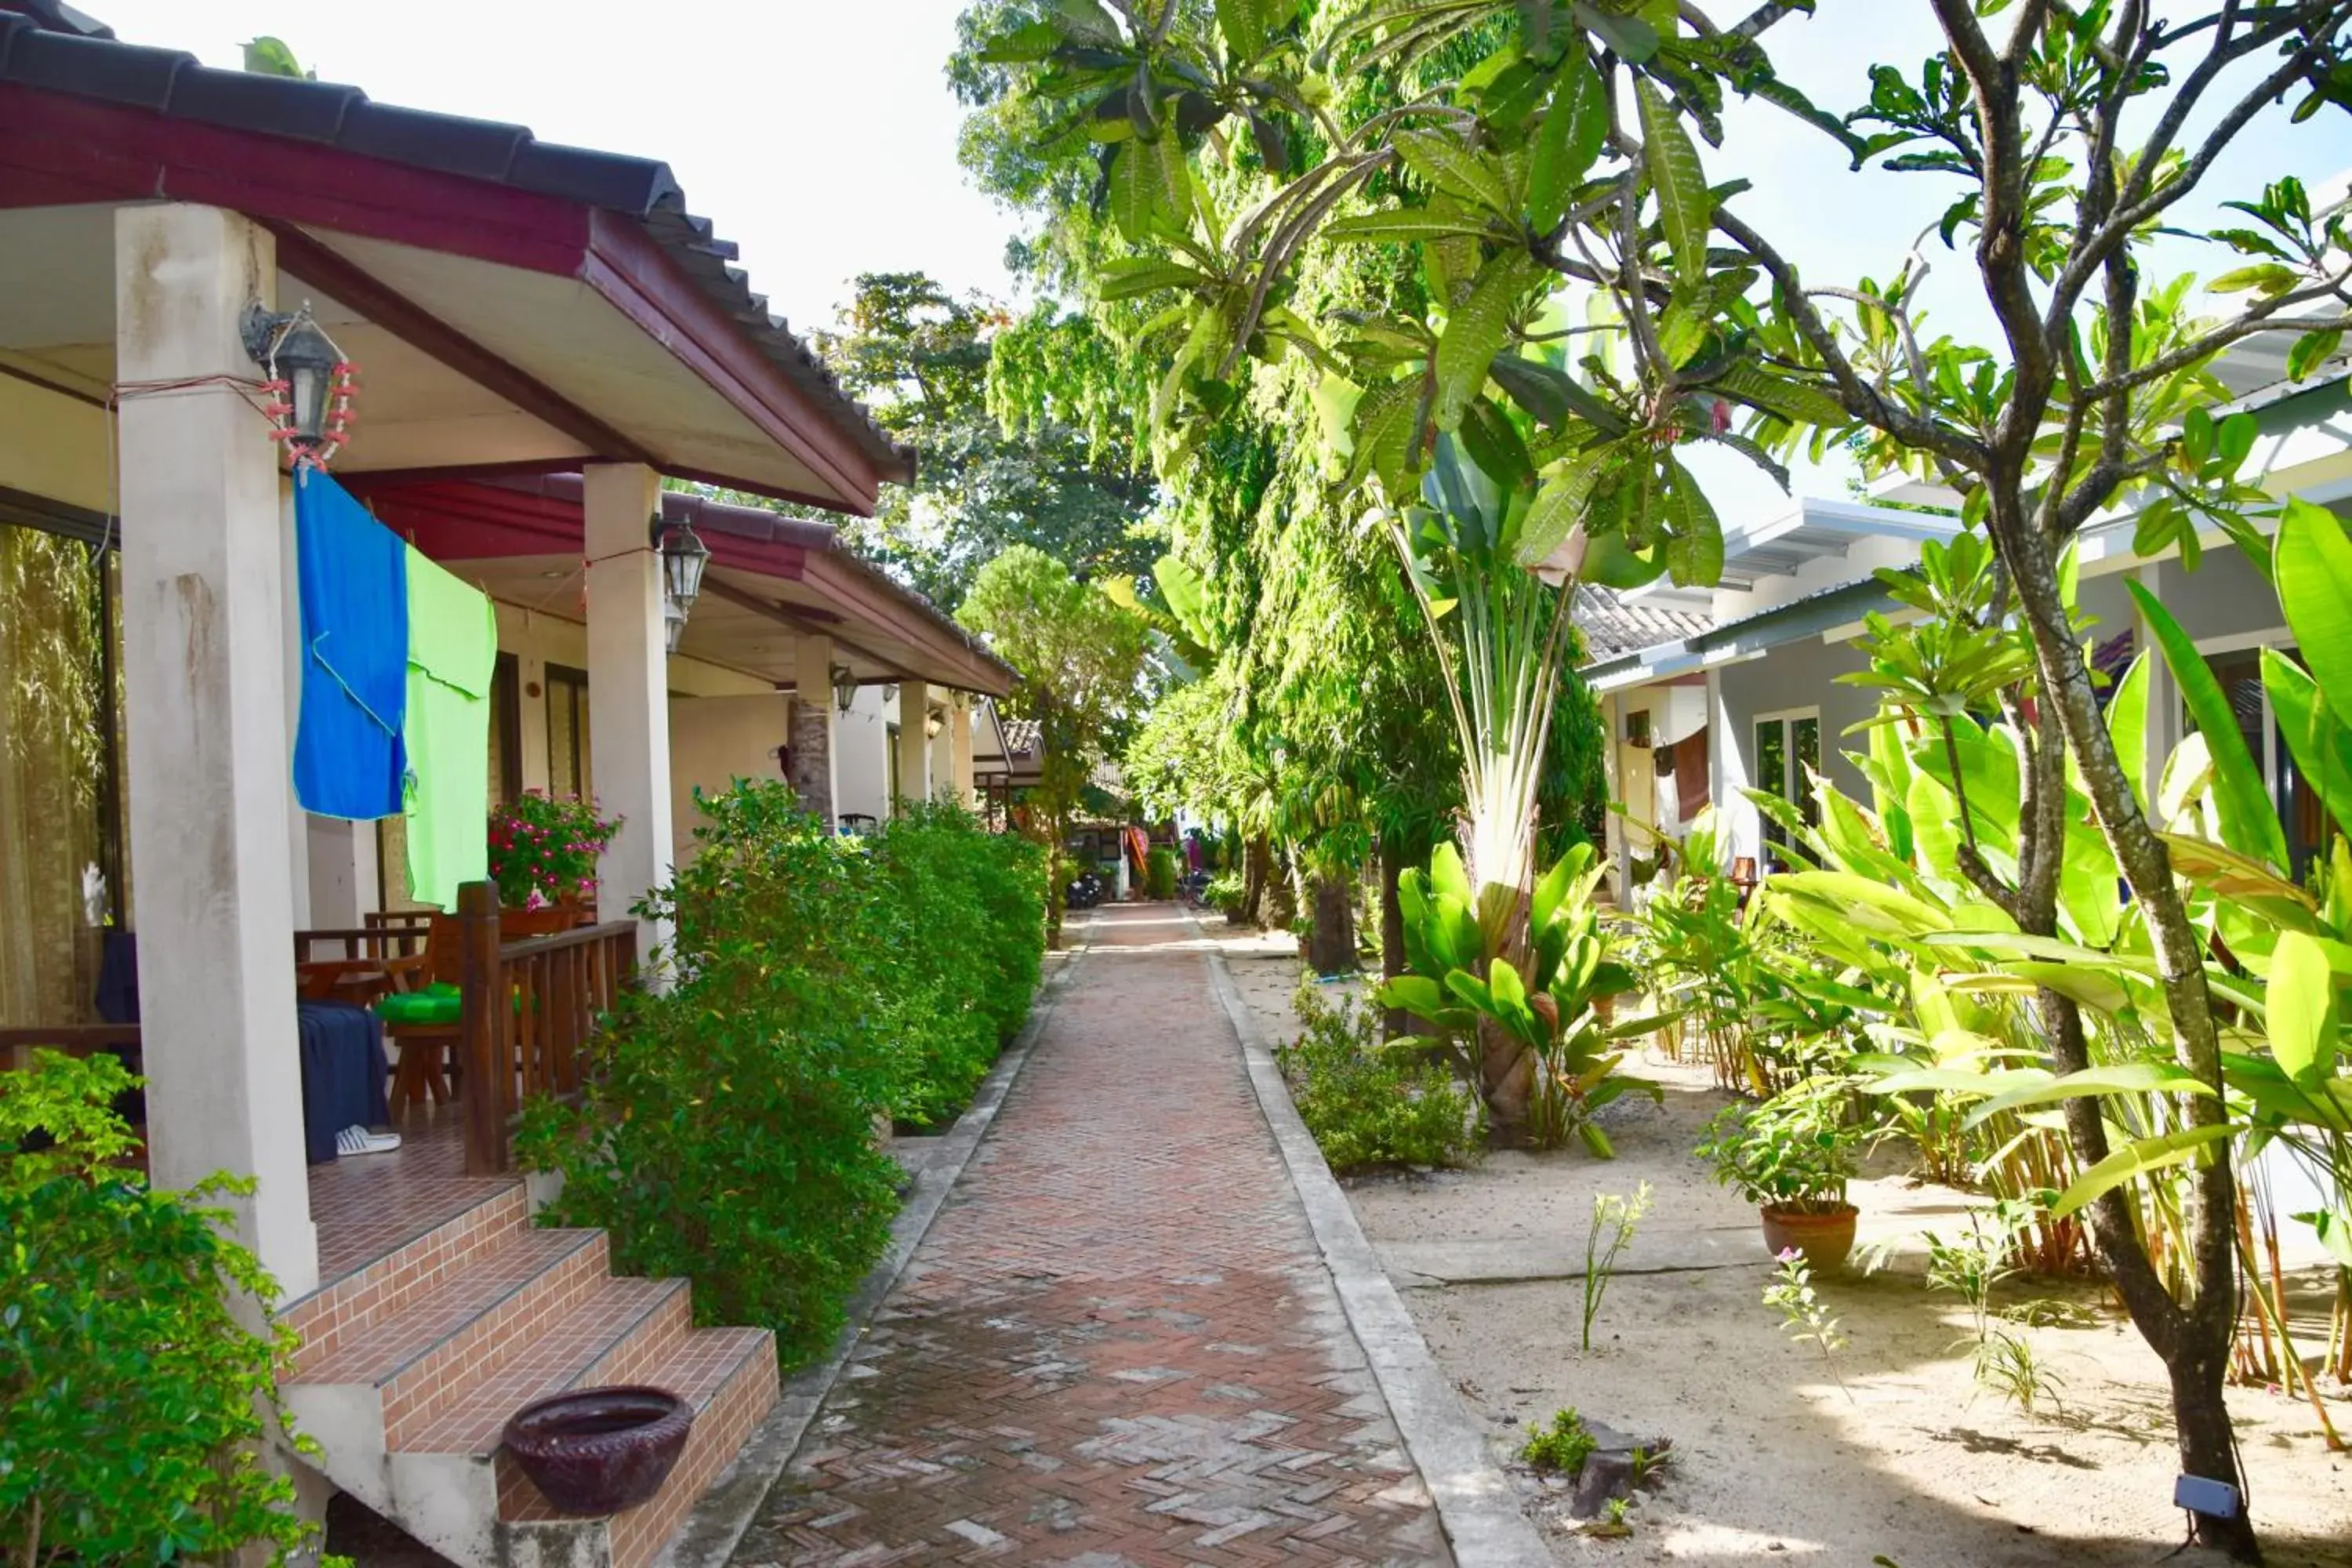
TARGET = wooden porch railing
(529,1009)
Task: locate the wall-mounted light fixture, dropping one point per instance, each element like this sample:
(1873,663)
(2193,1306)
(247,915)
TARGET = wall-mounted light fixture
(933,722)
(684,557)
(309,377)
(845,686)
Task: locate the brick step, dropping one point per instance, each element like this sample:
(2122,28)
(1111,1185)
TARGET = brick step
(449,1336)
(728,1375)
(455,1489)
(355,1303)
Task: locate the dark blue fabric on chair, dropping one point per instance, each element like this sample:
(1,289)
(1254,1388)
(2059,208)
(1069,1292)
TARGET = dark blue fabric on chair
(344,1072)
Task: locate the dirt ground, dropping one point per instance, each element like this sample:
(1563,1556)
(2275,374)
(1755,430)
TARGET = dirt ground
(1888,1454)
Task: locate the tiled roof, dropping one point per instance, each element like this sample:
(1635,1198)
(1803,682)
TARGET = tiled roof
(1612,624)
(50,46)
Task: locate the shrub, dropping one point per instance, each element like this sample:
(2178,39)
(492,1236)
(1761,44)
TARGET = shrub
(1224,891)
(726,1131)
(132,1401)
(969,907)
(1159,872)
(1367,1106)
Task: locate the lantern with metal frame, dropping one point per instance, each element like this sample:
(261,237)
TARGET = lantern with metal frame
(845,686)
(311,380)
(684,558)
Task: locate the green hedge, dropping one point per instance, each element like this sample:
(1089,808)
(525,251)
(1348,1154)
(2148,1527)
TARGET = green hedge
(727,1133)
(1159,872)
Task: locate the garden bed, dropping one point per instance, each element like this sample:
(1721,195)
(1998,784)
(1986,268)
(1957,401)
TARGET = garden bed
(1911,1461)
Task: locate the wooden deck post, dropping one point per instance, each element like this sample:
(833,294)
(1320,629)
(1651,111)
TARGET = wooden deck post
(481,1033)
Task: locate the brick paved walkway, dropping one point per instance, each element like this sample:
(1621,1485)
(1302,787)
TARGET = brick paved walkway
(1118,1345)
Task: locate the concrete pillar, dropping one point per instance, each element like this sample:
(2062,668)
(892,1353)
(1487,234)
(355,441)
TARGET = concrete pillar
(298,831)
(942,756)
(914,746)
(817,773)
(959,770)
(204,654)
(629,689)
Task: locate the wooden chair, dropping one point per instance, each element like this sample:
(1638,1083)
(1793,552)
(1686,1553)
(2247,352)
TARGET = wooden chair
(427,1051)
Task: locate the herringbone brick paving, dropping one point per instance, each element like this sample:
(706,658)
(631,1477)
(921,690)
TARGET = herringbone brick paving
(1118,1345)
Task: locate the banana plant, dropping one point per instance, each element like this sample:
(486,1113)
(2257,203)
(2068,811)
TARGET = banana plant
(1548,1004)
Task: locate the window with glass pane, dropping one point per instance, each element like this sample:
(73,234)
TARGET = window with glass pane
(2308,827)
(568,744)
(1805,740)
(1773,767)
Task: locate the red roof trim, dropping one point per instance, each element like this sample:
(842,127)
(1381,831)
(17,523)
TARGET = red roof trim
(632,273)
(460,520)
(53,143)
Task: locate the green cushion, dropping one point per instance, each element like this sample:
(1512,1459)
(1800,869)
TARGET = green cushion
(436,1006)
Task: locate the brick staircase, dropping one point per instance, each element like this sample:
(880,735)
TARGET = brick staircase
(410,1366)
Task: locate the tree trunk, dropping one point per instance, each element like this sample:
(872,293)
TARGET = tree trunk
(1397,1020)
(1507,1081)
(2193,1338)
(1331,940)
(1257,858)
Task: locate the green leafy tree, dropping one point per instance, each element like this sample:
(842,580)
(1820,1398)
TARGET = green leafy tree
(1062,476)
(1082,658)
(1532,149)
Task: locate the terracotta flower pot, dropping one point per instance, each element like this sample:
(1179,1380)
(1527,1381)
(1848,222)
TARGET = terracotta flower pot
(1823,1239)
(596,1451)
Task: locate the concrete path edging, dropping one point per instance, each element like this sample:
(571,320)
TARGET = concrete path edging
(720,1522)
(1475,1501)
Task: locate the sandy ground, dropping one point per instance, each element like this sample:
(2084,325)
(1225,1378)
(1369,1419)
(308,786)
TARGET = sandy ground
(1907,1463)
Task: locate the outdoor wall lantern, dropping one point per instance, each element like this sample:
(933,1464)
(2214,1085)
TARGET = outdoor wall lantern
(683,558)
(309,377)
(845,686)
(933,722)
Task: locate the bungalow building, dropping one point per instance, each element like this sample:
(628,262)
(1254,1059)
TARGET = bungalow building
(546,337)
(1745,692)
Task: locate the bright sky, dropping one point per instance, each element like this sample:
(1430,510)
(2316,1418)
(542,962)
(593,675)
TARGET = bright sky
(820,134)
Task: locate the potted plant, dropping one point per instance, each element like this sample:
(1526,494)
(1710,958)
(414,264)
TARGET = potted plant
(543,851)
(1791,1156)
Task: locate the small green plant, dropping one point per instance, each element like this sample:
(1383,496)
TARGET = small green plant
(1649,1464)
(133,1403)
(1561,1448)
(1225,893)
(1794,1151)
(1159,872)
(1613,1524)
(1803,1314)
(1614,1216)
(1368,1105)
(1972,1269)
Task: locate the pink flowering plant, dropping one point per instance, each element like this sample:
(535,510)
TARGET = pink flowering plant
(543,849)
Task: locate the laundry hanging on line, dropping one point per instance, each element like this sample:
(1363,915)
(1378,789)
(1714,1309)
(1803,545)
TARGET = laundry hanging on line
(397,662)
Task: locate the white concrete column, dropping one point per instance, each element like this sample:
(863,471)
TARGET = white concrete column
(914,746)
(816,767)
(960,769)
(629,690)
(205,683)
(942,749)
(297,833)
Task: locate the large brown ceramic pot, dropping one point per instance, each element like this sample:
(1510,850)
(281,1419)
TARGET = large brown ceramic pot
(596,1451)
